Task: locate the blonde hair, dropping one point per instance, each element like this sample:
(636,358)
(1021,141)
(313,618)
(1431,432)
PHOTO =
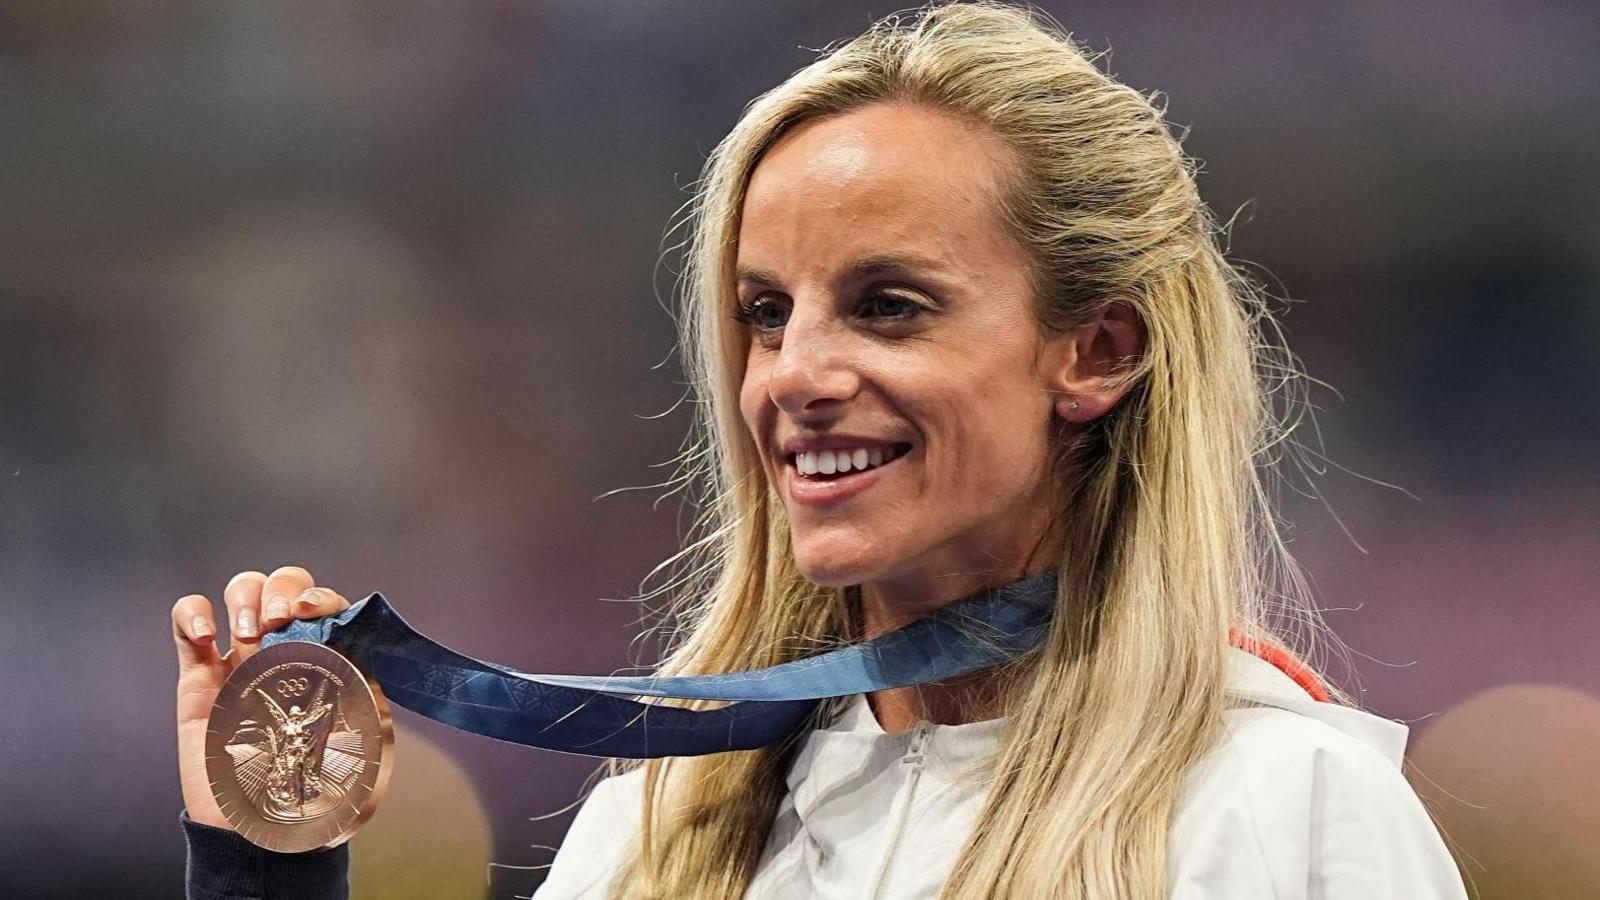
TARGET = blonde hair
(1170,537)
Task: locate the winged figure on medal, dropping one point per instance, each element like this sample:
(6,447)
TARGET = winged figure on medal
(301,764)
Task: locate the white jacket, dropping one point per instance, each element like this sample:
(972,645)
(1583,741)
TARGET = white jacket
(1300,799)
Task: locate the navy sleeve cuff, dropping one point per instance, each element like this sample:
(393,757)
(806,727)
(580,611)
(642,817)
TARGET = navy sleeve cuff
(223,865)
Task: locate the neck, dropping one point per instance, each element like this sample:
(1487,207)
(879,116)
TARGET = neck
(974,697)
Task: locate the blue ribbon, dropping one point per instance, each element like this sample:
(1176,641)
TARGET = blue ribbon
(579,714)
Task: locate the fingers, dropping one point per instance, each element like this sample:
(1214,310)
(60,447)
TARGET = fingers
(319,601)
(243,599)
(194,631)
(258,604)
(290,594)
(278,595)
(201,669)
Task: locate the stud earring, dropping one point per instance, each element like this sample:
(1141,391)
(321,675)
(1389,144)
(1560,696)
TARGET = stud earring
(1073,406)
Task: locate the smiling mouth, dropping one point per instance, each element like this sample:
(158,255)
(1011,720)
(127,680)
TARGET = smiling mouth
(831,465)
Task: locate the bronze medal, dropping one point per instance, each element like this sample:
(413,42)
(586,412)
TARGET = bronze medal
(298,748)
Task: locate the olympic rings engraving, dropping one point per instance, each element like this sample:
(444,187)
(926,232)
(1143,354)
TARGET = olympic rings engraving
(293,687)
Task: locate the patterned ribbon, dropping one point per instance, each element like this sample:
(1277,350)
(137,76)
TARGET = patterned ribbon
(580,714)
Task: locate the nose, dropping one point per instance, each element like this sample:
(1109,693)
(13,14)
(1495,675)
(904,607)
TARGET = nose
(813,374)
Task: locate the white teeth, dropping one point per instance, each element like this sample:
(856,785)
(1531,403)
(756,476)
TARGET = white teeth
(844,460)
(828,462)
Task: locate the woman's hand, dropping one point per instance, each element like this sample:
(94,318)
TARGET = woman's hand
(256,604)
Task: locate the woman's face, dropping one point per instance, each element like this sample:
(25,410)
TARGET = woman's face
(891,327)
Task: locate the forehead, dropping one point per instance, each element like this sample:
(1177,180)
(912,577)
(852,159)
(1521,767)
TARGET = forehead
(885,179)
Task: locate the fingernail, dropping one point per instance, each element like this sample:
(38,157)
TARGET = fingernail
(247,622)
(200,627)
(308,600)
(277,606)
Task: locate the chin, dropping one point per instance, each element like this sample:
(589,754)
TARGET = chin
(825,567)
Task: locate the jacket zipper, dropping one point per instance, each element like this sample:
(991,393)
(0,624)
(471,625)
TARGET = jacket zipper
(915,755)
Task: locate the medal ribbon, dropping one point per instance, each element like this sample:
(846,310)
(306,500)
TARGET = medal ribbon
(581,714)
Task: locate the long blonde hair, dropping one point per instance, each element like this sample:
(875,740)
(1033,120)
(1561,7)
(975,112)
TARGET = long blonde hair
(1170,537)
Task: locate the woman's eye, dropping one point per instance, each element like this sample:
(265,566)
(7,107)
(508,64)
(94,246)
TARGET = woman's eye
(768,315)
(889,306)
(762,314)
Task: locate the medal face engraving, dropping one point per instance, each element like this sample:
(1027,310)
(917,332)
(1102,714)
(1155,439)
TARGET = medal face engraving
(297,748)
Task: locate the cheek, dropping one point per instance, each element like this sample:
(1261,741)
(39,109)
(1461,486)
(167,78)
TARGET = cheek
(753,400)
(987,448)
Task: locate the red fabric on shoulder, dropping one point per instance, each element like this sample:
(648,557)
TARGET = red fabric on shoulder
(1285,663)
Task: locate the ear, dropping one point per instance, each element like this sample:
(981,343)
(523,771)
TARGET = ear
(1086,359)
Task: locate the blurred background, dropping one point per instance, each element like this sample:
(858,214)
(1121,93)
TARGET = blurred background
(371,288)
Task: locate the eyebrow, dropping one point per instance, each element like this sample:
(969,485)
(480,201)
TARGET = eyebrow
(870,265)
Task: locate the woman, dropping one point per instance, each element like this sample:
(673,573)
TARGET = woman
(959,317)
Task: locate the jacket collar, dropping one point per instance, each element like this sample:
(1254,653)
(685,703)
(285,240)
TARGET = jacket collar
(1251,680)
